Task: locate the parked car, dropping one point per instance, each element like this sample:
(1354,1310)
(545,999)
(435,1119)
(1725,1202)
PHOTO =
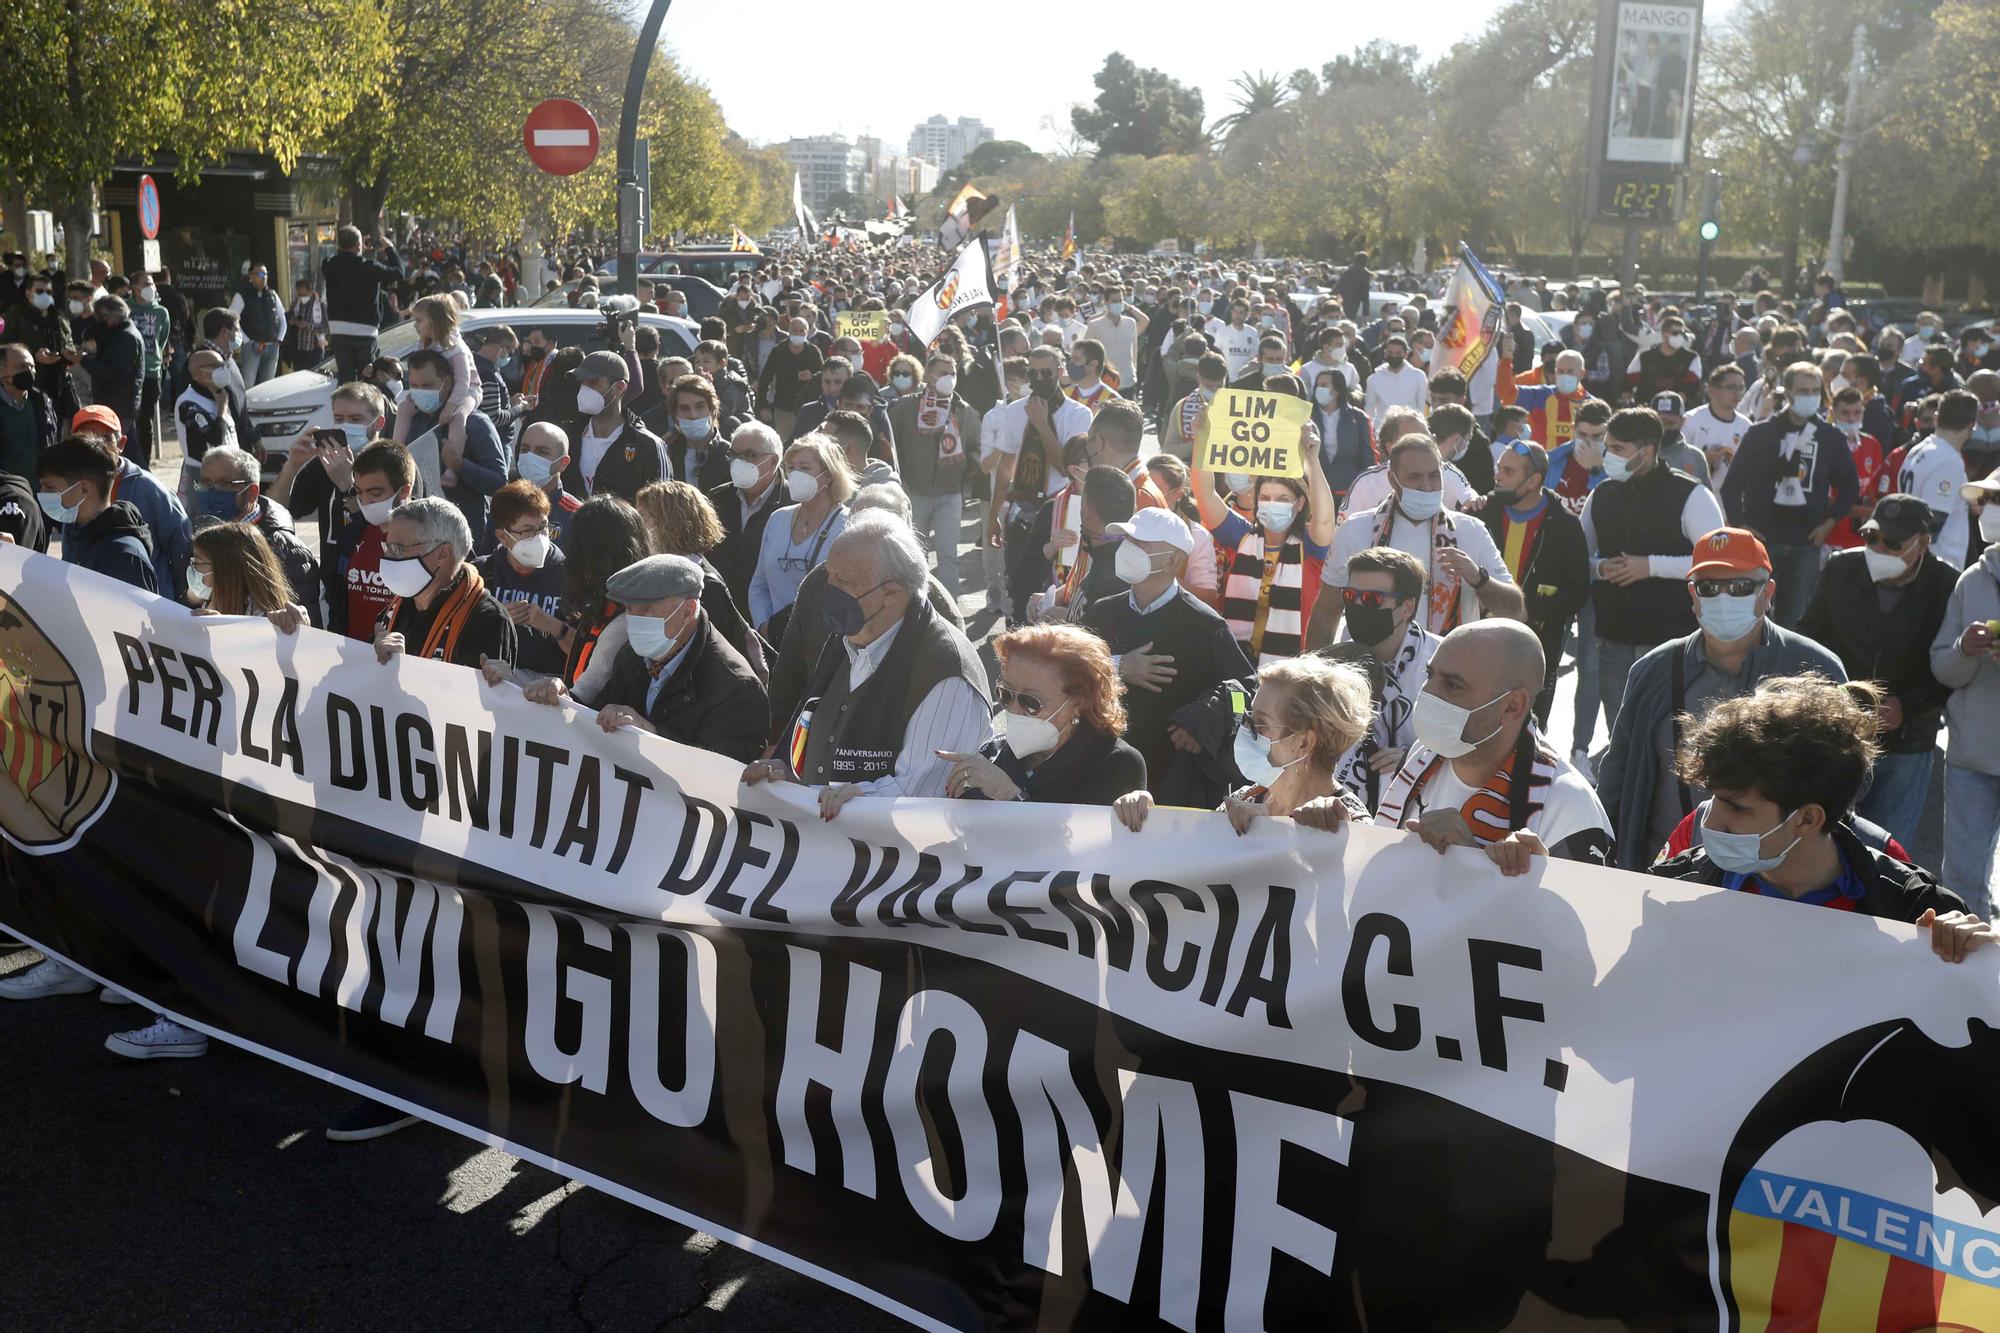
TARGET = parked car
(704,298)
(280,408)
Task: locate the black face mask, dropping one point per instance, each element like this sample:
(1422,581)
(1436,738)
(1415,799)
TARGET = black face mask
(533,353)
(1502,495)
(1371,624)
(842,611)
(23,380)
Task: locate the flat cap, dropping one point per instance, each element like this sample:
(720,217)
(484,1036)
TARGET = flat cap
(654,578)
(601,366)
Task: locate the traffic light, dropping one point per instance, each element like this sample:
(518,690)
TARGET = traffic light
(1710,229)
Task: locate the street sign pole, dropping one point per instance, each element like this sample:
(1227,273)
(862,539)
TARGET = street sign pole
(628,148)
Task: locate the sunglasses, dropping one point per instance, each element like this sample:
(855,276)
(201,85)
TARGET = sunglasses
(1031,703)
(1746,587)
(1368,597)
(1878,542)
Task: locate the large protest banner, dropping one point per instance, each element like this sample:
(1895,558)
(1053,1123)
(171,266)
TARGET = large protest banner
(1001,1065)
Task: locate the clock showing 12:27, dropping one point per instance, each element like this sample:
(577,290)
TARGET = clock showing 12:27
(1636,200)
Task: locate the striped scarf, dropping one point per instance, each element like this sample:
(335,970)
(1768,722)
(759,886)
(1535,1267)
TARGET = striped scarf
(1489,812)
(1445,611)
(441,640)
(935,417)
(1284,618)
(1190,409)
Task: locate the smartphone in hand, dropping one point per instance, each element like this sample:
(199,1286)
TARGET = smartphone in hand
(326,438)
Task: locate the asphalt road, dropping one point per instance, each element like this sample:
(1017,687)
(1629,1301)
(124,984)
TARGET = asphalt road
(201,1194)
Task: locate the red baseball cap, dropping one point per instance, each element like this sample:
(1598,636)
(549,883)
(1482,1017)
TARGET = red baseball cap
(1729,551)
(98,416)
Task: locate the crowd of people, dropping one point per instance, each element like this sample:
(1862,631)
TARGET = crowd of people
(1771,550)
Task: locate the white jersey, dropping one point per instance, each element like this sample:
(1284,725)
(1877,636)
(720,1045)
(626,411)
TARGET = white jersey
(1370,488)
(1933,472)
(1449,600)
(1121,344)
(1236,346)
(1717,439)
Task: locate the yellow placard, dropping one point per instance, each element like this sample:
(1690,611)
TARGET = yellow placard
(1255,432)
(865,325)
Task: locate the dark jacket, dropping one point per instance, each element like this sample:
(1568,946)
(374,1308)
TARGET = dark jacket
(115,544)
(482,469)
(806,637)
(117,369)
(38,419)
(1555,577)
(1630,767)
(712,701)
(1092,769)
(487,633)
(1893,650)
(735,557)
(1476,460)
(634,460)
(1894,890)
(353,283)
(1346,445)
(780,386)
(301,565)
(168,533)
(922,470)
(21,513)
(714,468)
(1748,492)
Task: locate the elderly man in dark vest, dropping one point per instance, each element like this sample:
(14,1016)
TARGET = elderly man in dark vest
(895,686)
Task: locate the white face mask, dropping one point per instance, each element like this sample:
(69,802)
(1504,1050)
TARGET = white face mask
(1253,758)
(1440,724)
(944,384)
(378,511)
(589,401)
(1989,521)
(198,585)
(1882,566)
(405,578)
(801,486)
(648,636)
(1132,564)
(1026,735)
(744,474)
(1742,853)
(531,552)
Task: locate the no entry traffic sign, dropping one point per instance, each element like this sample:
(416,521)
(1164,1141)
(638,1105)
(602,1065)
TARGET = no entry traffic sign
(560,136)
(149,208)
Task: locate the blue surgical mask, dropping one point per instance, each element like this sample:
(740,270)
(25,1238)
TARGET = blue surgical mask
(1742,853)
(52,504)
(1276,515)
(426,400)
(357,434)
(1421,506)
(217,504)
(1728,618)
(1323,396)
(534,468)
(1805,404)
(1616,467)
(1567,384)
(697,429)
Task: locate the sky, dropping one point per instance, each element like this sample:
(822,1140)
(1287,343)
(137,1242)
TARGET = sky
(868,76)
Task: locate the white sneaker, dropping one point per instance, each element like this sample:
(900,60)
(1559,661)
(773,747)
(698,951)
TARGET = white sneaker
(1580,761)
(44,979)
(109,996)
(165,1040)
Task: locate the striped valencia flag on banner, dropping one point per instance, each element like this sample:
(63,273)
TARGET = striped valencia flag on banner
(27,756)
(1808,1257)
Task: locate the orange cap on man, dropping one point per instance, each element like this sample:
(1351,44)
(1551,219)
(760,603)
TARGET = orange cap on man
(1729,551)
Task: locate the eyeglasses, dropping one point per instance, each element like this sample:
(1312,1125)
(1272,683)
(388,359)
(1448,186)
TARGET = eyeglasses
(222,487)
(1878,542)
(1030,703)
(751,457)
(398,552)
(1368,597)
(530,534)
(1746,587)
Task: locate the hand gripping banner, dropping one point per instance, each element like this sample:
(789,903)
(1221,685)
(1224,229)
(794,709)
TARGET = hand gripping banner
(1002,1065)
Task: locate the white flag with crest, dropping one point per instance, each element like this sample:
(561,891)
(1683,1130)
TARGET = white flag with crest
(968,282)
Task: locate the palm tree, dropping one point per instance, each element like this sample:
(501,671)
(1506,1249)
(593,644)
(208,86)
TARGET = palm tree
(1256,94)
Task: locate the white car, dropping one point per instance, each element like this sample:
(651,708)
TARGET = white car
(282,407)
